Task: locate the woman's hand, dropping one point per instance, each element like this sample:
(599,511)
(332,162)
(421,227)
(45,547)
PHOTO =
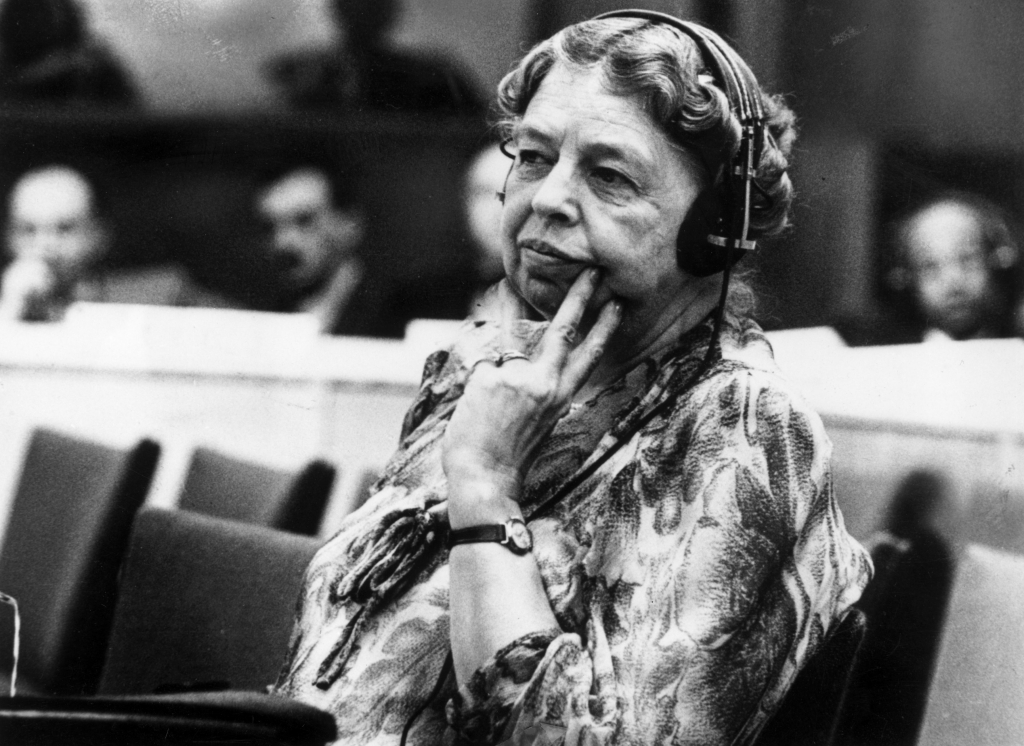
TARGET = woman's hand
(509,408)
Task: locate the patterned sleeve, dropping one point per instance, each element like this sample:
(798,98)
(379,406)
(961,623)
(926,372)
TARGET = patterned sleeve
(717,566)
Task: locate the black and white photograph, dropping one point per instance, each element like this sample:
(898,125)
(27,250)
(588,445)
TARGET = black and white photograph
(521,373)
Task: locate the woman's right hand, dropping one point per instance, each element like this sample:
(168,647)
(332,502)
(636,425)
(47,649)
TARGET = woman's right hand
(507,410)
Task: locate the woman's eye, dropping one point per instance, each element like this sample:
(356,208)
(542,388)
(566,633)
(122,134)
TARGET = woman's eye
(532,164)
(531,156)
(609,177)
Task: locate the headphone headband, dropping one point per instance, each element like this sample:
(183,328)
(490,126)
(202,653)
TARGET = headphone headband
(735,78)
(731,73)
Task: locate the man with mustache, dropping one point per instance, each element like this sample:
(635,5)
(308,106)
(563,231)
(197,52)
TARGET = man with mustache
(313,229)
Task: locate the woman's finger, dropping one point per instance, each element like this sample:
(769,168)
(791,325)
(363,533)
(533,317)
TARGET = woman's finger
(584,359)
(562,334)
(513,310)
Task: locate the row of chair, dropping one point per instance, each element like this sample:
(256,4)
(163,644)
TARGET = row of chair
(200,626)
(206,602)
(931,654)
(68,531)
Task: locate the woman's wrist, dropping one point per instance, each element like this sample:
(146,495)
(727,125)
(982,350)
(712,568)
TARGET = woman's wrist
(482,499)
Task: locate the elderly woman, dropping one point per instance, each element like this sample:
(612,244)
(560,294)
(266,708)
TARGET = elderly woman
(619,521)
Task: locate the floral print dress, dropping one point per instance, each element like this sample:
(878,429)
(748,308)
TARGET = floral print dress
(693,554)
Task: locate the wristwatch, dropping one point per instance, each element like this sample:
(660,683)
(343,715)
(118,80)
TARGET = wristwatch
(513,534)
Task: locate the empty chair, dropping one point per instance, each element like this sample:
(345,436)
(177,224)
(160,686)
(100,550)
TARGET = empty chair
(811,713)
(228,487)
(977,691)
(905,603)
(203,602)
(67,532)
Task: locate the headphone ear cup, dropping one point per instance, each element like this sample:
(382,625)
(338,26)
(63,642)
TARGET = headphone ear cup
(694,253)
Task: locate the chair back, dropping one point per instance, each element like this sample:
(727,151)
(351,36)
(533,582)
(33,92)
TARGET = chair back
(977,691)
(65,538)
(228,487)
(906,602)
(810,714)
(203,602)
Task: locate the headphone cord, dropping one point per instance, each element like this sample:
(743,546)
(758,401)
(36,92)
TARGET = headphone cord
(446,668)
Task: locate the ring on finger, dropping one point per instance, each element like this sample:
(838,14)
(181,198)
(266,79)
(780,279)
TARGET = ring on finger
(495,361)
(510,355)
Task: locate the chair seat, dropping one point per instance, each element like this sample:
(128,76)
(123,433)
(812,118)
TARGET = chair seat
(166,720)
(203,600)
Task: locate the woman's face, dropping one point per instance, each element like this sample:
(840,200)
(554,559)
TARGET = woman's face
(597,184)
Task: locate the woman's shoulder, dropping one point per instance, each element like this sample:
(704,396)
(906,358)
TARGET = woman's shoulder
(748,363)
(746,405)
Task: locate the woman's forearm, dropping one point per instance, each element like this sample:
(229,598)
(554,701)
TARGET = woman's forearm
(496,596)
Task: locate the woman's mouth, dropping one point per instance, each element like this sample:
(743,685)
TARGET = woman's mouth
(546,250)
(550,260)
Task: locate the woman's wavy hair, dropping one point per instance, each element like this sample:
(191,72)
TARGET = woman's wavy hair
(664,68)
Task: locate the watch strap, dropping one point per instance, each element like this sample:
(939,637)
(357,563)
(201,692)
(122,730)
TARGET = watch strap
(476,534)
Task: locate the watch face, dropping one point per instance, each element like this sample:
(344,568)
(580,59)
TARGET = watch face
(519,536)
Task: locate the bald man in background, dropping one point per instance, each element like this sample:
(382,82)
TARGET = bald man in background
(57,239)
(482,198)
(956,252)
(955,275)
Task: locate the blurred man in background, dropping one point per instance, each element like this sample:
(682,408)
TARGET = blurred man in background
(956,261)
(56,239)
(954,276)
(49,54)
(313,231)
(365,70)
(482,201)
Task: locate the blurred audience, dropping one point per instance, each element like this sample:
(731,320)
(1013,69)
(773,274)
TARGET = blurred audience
(955,276)
(364,70)
(47,54)
(57,238)
(313,229)
(482,199)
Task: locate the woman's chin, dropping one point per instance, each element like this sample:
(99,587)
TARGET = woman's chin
(542,296)
(546,298)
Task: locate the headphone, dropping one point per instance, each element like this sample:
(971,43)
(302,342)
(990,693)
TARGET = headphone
(714,234)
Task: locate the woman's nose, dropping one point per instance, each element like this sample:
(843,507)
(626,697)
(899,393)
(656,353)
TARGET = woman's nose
(557,198)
